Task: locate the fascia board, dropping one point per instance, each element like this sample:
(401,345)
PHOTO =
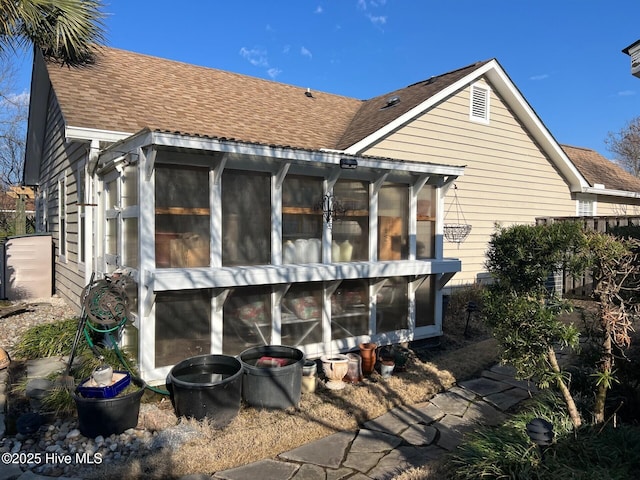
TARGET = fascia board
(146,138)
(84,134)
(610,192)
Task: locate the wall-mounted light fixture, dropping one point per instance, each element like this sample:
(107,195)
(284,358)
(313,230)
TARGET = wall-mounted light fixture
(348,163)
(331,209)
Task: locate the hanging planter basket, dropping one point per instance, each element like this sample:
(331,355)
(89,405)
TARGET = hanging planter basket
(459,231)
(456,232)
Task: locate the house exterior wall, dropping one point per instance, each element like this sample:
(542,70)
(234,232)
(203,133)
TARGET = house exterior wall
(59,166)
(608,206)
(508,179)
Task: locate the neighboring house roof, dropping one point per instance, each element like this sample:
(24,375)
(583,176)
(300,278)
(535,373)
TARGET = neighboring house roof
(600,171)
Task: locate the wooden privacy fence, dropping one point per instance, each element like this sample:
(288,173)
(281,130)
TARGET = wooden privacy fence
(582,287)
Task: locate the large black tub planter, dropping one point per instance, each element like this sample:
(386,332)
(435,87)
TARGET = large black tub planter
(272,376)
(106,416)
(207,386)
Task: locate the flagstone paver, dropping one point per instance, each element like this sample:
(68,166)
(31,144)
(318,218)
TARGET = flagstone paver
(370,441)
(400,418)
(450,403)
(419,435)
(508,398)
(484,413)
(310,472)
(326,452)
(484,386)
(264,470)
(363,462)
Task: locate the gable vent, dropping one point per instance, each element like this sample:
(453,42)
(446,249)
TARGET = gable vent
(479,111)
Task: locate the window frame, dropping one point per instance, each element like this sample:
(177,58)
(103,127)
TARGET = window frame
(62,218)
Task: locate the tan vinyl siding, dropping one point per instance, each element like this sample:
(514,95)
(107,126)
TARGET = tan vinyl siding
(60,156)
(607,206)
(507,179)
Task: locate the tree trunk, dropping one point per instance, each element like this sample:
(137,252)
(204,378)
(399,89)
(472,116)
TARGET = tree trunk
(606,367)
(566,394)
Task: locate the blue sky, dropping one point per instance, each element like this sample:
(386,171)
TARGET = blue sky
(564,55)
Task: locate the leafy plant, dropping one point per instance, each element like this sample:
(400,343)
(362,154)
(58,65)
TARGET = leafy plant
(522,313)
(48,340)
(591,452)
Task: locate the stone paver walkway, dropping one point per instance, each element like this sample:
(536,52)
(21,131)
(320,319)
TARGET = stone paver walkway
(398,440)
(408,436)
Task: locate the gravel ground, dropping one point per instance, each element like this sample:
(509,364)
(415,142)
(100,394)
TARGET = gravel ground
(60,438)
(37,311)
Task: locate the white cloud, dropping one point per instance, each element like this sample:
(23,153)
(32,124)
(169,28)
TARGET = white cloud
(258,57)
(543,76)
(318,9)
(377,19)
(274,72)
(255,56)
(305,52)
(286,49)
(626,93)
(362,4)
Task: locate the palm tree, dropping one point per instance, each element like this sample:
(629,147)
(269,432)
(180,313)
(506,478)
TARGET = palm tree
(66,31)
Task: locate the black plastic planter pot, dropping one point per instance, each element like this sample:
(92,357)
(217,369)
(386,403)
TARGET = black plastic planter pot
(105,416)
(272,376)
(207,386)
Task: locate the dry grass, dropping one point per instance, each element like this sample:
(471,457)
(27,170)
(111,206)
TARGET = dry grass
(259,434)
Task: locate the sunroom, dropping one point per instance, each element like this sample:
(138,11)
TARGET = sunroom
(234,245)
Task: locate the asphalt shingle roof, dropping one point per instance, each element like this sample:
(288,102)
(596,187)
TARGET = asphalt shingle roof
(127,92)
(597,169)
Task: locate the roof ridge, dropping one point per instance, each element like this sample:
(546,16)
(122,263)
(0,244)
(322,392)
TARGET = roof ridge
(434,77)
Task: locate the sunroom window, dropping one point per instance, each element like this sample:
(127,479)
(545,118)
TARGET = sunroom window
(182,216)
(246,218)
(301,220)
(351,230)
(183,326)
(393,216)
(426,222)
(246,319)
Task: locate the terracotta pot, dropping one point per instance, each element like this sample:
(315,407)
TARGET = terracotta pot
(368,354)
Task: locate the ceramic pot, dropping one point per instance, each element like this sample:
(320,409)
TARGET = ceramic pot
(386,368)
(368,354)
(103,376)
(335,367)
(309,376)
